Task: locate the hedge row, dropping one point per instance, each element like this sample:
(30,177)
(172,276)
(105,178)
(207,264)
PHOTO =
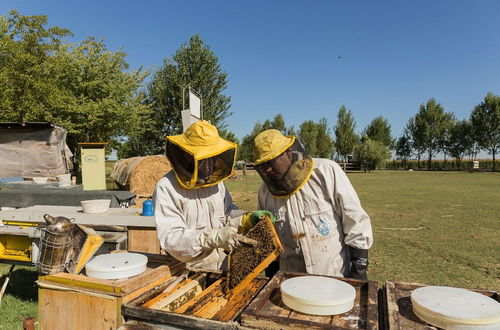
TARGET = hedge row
(448,165)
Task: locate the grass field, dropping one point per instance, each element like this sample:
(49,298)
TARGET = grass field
(429,227)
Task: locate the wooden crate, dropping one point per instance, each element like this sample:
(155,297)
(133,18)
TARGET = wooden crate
(214,307)
(267,311)
(69,301)
(143,239)
(396,307)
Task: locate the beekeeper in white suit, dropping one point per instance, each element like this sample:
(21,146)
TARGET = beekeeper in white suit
(196,219)
(319,217)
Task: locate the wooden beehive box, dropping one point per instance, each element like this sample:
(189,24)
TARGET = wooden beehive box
(70,301)
(267,310)
(397,310)
(269,248)
(197,300)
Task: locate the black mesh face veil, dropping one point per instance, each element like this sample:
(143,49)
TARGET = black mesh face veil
(195,173)
(286,173)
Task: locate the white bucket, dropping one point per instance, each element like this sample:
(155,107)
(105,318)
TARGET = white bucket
(96,205)
(64,180)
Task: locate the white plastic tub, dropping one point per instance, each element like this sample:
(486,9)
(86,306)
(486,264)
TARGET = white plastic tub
(116,265)
(95,205)
(318,295)
(64,180)
(455,308)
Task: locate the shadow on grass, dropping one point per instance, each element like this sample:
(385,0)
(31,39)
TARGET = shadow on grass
(22,284)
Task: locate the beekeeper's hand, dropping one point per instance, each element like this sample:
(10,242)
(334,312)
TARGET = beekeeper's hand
(250,219)
(223,238)
(358,263)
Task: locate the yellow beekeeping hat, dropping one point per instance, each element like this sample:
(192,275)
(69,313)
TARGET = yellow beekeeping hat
(201,142)
(270,144)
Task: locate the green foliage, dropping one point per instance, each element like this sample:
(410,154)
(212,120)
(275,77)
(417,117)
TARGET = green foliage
(246,148)
(428,128)
(459,140)
(486,121)
(345,136)
(194,65)
(26,66)
(83,87)
(380,130)
(403,147)
(103,99)
(370,154)
(316,138)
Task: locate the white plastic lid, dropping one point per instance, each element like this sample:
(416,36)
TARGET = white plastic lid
(318,290)
(116,265)
(447,305)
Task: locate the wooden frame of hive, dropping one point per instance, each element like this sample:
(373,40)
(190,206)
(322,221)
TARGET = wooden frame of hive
(278,250)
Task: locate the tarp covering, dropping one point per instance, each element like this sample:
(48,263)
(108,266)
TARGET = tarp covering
(33,150)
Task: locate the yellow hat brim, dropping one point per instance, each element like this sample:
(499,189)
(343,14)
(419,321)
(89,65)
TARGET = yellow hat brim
(290,139)
(202,151)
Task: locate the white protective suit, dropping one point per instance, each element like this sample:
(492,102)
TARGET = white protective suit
(181,215)
(318,222)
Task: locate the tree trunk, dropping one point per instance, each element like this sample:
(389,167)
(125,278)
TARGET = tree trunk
(494,165)
(429,164)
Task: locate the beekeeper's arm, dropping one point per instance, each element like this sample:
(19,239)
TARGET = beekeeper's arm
(355,221)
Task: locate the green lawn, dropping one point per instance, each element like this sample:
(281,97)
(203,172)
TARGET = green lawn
(429,227)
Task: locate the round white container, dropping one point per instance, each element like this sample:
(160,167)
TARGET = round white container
(116,265)
(455,308)
(318,295)
(95,205)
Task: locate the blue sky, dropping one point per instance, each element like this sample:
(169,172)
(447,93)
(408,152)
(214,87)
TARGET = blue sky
(282,56)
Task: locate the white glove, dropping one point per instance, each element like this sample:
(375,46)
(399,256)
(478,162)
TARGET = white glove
(224,238)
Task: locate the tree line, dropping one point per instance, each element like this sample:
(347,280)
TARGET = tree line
(91,91)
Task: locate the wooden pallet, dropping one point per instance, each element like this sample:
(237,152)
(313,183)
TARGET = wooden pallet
(267,311)
(396,308)
(210,308)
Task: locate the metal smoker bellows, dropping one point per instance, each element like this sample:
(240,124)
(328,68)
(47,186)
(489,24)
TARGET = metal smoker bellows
(54,248)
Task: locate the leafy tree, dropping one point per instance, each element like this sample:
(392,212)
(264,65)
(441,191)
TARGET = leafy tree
(486,121)
(246,146)
(460,140)
(345,136)
(429,126)
(446,137)
(26,65)
(82,87)
(308,135)
(325,144)
(380,130)
(416,139)
(103,98)
(194,64)
(316,138)
(403,147)
(370,154)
